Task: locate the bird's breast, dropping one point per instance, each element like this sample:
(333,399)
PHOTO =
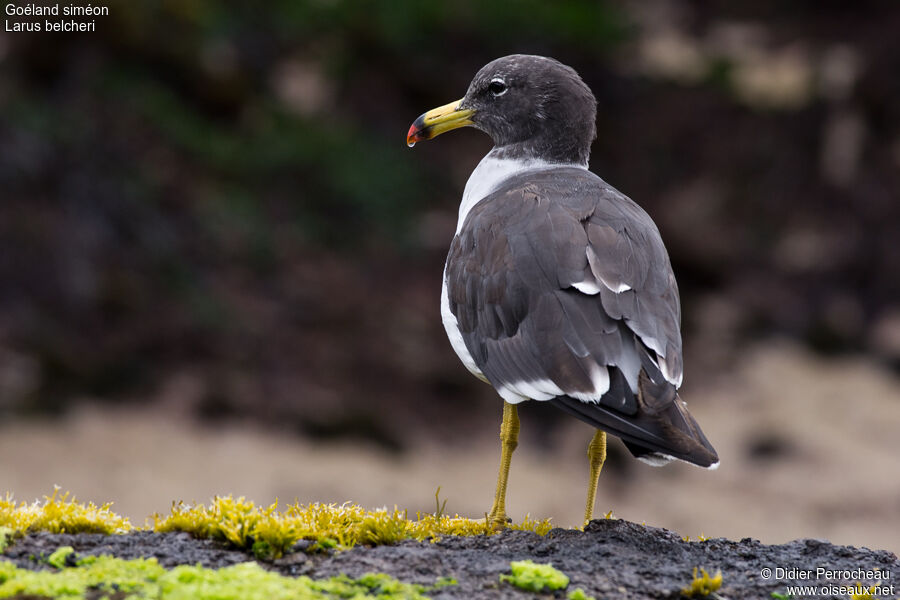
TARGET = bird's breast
(451,326)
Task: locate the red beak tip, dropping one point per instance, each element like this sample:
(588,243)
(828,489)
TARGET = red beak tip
(412,136)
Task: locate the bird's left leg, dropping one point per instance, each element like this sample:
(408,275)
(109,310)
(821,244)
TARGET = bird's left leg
(597,456)
(509,439)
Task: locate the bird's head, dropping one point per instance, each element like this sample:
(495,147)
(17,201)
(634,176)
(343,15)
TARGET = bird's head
(531,106)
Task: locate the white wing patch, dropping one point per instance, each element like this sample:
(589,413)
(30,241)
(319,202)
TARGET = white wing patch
(509,395)
(593,261)
(587,287)
(539,389)
(656,459)
(664,369)
(618,288)
(600,380)
(659,359)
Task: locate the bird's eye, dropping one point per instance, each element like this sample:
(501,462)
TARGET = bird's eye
(497,87)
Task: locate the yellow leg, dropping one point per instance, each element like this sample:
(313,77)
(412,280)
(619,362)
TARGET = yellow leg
(509,439)
(597,456)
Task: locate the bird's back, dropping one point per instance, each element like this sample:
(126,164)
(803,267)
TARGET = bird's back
(563,291)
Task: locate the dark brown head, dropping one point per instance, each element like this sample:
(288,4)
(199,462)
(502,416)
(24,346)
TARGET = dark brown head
(531,106)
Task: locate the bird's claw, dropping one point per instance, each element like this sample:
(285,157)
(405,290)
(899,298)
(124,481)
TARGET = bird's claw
(498,522)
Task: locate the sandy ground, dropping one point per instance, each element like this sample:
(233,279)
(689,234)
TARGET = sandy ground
(810,448)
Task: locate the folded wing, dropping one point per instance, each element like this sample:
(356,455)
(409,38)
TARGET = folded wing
(563,291)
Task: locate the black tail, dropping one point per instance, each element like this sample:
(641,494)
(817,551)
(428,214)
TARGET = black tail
(661,425)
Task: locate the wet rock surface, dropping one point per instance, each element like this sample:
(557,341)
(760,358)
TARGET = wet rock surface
(610,559)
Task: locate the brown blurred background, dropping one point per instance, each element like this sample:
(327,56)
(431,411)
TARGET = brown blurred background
(220,264)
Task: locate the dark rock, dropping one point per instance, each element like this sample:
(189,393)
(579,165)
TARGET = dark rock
(610,559)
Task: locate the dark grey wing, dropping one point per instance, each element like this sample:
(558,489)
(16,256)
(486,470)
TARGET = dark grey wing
(562,289)
(630,270)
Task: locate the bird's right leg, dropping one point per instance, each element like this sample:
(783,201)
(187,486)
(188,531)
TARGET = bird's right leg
(509,439)
(596,456)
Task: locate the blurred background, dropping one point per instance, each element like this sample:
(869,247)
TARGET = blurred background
(220,265)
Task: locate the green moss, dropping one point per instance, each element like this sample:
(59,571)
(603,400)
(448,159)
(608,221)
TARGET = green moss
(702,586)
(578,594)
(533,577)
(144,578)
(6,536)
(58,558)
(444,582)
(101,573)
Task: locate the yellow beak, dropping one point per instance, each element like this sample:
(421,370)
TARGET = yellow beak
(438,120)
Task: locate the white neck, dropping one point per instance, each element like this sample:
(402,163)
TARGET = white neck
(493,171)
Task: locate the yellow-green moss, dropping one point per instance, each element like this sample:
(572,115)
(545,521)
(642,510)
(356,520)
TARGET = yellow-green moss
(145,578)
(534,577)
(863,592)
(274,531)
(702,586)
(269,532)
(578,594)
(59,514)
